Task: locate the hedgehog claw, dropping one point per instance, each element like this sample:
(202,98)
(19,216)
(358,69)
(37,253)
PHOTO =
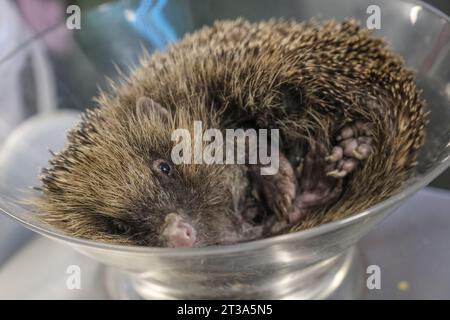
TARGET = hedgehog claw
(336,174)
(331,158)
(357,155)
(336,154)
(299,168)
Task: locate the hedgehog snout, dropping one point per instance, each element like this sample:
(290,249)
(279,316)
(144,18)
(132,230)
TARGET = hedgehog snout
(178,232)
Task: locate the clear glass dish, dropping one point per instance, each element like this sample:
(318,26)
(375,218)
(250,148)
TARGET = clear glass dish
(307,264)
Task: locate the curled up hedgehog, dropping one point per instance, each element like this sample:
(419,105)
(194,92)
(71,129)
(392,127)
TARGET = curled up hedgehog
(350,122)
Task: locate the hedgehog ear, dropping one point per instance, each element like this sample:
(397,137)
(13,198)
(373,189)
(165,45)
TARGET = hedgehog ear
(149,106)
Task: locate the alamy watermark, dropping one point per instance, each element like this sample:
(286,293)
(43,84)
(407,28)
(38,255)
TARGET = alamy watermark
(73,21)
(374,20)
(374,279)
(73,281)
(231,149)
(200,145)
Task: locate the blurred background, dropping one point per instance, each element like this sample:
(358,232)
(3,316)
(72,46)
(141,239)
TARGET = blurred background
(443,181)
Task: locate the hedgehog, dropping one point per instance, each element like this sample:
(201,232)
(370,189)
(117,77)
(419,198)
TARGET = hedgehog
(350,121)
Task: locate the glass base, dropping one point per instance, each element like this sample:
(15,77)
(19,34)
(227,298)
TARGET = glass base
(343,280)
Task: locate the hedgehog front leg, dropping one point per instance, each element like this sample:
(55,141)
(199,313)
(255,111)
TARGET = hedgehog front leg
(354,145)
(279,190)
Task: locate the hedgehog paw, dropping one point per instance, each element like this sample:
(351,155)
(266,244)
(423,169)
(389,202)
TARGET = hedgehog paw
(316,188)
(354,145)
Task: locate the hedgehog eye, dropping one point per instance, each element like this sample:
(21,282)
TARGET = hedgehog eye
(120,227)
(163,167)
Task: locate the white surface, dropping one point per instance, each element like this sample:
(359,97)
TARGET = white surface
(411,247)
(38,271)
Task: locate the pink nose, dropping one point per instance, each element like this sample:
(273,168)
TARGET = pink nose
(178,232)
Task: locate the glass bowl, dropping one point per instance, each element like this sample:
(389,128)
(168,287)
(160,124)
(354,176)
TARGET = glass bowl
(309,264)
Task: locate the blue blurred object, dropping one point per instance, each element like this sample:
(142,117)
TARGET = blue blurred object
(151,23)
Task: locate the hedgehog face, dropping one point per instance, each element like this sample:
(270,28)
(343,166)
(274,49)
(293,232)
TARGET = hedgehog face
(115,182)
